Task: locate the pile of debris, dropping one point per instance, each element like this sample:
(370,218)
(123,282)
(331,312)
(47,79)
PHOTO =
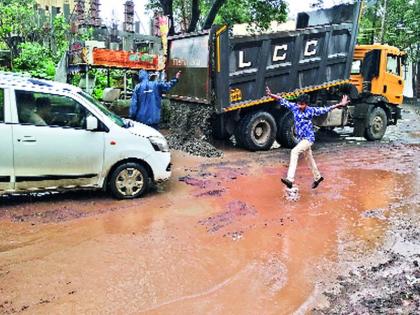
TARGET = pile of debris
(190,129)
(391,285)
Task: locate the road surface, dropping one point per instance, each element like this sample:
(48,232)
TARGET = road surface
(221,237)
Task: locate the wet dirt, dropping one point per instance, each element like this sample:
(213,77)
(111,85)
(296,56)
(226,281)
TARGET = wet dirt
(221,238)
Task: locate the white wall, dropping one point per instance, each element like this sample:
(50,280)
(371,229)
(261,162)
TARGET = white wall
(408,78)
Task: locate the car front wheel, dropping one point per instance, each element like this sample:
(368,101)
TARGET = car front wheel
(128,181)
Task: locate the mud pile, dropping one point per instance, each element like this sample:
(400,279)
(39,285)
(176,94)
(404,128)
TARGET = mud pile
(391,285)
(190,129)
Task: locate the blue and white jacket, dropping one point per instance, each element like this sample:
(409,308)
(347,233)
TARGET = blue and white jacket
(303,119)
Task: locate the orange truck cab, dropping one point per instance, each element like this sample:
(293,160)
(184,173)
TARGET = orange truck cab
(377,69)
(376,74)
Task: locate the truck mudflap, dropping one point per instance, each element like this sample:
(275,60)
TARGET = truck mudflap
(360,118)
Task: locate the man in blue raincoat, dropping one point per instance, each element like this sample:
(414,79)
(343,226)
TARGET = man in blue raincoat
(146,100)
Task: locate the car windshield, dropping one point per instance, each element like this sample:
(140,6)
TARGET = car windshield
(114,117)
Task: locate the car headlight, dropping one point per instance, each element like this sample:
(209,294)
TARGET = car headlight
(159,144)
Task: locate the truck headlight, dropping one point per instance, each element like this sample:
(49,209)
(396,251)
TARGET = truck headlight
(159,144)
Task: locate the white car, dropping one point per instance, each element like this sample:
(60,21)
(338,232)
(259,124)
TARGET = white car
(54,136)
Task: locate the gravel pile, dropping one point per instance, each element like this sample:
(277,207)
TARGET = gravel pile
(392,287)
(190,129)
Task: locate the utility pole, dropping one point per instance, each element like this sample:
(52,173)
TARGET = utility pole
(383,22)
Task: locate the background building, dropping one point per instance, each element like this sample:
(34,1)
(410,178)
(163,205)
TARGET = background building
(48,6)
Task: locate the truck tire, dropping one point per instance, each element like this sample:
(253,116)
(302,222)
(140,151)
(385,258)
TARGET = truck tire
(377,123)
(238,134)
(256,131)
(286,134)
(128,181)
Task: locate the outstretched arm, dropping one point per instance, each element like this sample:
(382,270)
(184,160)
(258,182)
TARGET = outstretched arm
(279,99)
(165,86)
(345,100)
(318,111)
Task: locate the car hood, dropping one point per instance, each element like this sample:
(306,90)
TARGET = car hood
(142,130)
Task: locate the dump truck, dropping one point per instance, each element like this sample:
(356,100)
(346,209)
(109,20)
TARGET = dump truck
(320,57)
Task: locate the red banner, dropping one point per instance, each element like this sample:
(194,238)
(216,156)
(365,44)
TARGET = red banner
(124,59)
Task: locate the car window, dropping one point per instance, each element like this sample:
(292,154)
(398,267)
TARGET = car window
(118,120)
(355,66)
(53,110)
(25,103)
(1,105)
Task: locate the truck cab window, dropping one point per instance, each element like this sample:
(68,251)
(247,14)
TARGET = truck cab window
(392,65)
(1,105)
(355,66)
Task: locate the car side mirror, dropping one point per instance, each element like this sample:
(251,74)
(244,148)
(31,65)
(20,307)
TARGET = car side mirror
(91,123)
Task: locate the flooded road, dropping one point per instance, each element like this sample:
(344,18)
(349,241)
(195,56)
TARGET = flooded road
(219,238)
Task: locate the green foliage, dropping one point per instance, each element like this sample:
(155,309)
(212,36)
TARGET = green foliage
(100,83)
(86,33)
(17,23)
(230,13)
(402,25)
(101,80)
(60,36)
(35,59)
(34,48)
(260,12)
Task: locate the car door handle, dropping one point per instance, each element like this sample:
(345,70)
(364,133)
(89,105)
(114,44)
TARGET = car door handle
(27,139)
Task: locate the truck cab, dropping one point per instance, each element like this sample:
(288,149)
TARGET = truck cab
(377,69)
(376,74)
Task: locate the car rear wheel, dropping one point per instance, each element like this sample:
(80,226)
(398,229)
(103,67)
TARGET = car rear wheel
(128,181)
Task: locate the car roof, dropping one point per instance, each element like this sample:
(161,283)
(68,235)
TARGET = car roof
(21,81)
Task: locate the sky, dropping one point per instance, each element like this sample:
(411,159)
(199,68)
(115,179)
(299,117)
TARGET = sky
(115,8)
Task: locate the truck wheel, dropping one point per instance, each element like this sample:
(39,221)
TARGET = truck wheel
(286,134)
(257,131)
(128,181)
(377,124)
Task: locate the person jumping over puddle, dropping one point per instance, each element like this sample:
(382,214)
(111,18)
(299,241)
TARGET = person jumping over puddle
(303,115)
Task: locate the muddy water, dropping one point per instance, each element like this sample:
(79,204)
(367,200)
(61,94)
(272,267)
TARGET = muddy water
(219,238)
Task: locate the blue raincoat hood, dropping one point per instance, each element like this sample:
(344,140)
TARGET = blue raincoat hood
(143,75)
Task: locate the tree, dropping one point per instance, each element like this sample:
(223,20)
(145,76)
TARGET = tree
(191,15)
(401,23)
(401,27)
(34,48)
(59,36)
(17,23)
(35,59)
